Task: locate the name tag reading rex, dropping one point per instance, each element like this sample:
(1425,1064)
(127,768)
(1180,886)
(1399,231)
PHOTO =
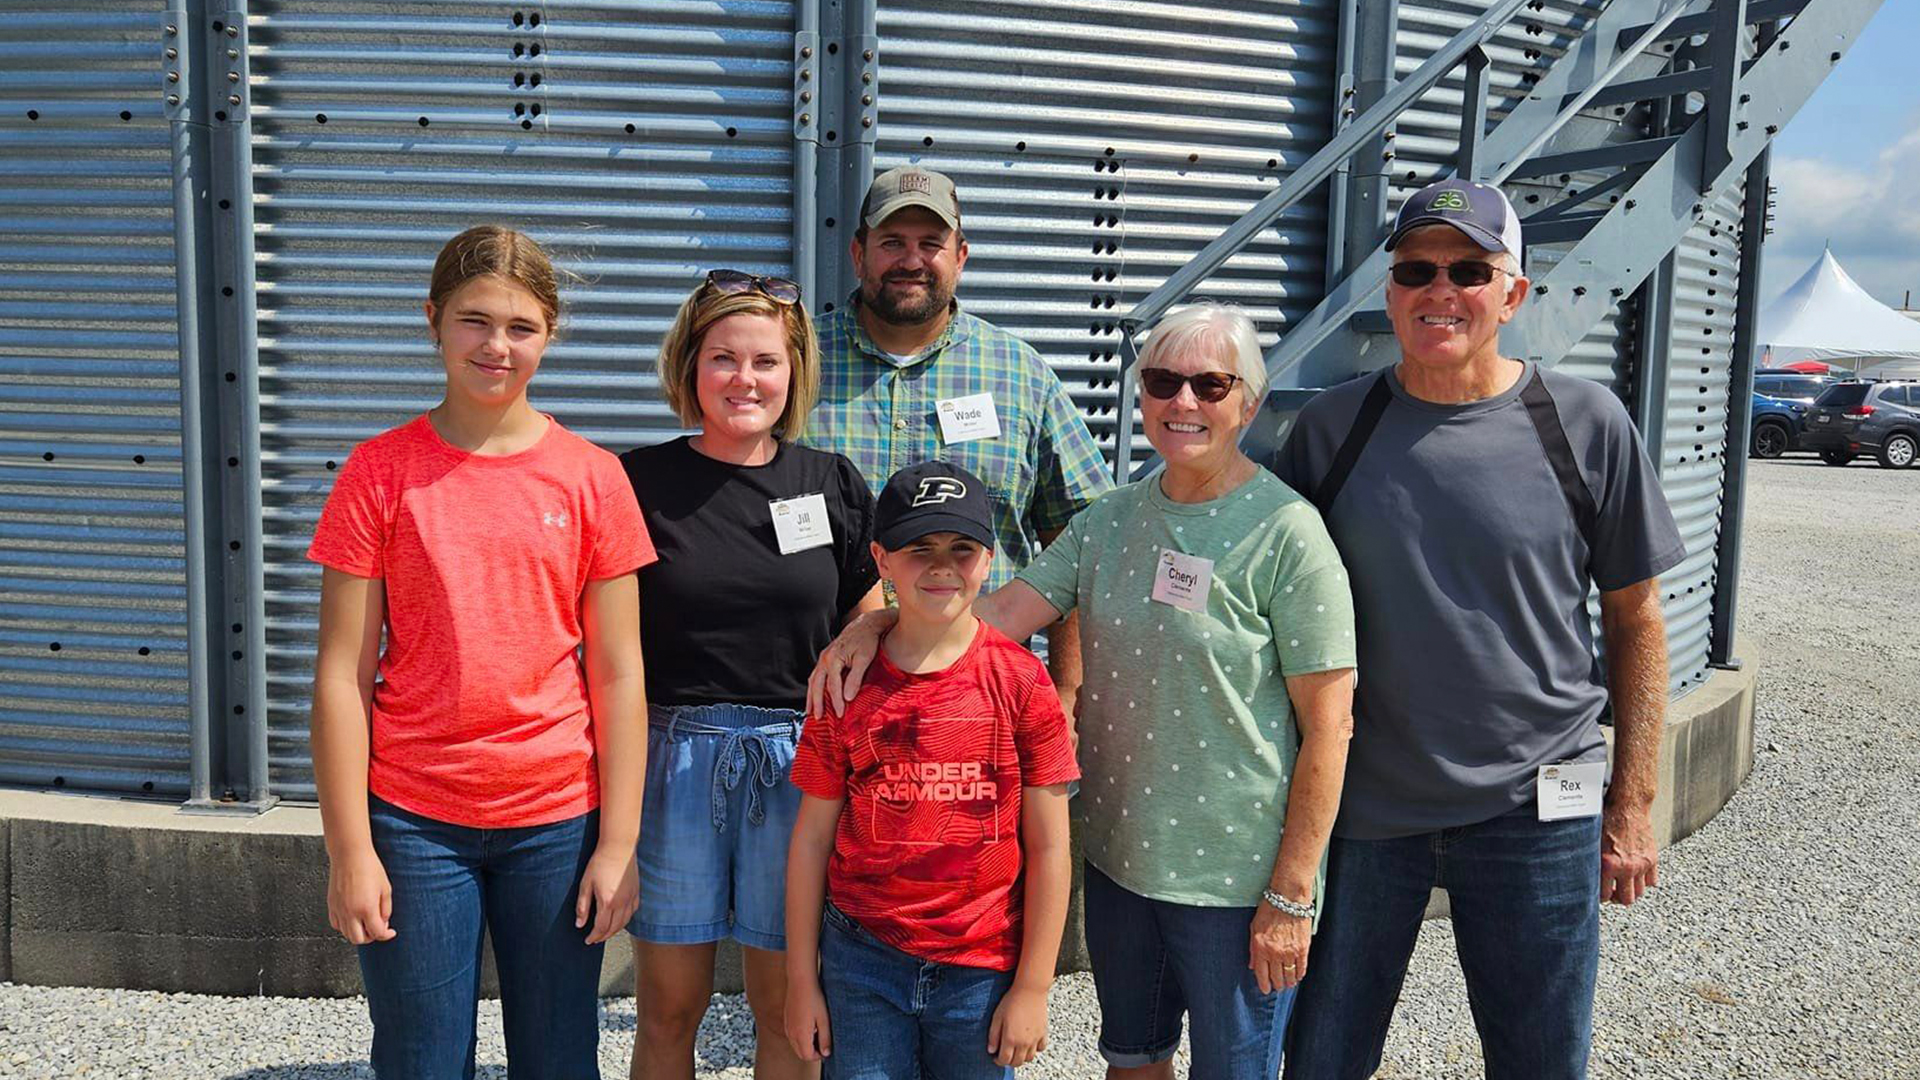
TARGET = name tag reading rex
(1183,580)
(801,523)
(967,418)
(1571,790)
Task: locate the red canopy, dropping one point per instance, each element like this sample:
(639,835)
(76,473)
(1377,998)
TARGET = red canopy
(1809,367)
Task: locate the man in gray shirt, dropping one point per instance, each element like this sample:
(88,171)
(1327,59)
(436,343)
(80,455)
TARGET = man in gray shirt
(1475,500)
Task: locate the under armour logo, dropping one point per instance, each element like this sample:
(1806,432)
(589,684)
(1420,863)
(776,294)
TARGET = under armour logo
(558,521)
(938,489)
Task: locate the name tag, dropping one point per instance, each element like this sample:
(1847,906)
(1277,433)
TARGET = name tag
(801,523)
(1571,790)
(967,418)
(1182,580)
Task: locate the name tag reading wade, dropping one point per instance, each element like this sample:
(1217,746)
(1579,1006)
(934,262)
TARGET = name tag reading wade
(967,418)
(1571,790)
(1182,580)
(801,523)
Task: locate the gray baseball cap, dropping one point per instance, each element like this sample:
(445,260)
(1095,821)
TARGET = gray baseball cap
(910,185)
(1478,210)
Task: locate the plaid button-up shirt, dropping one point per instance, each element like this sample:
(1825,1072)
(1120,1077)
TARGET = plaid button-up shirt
(879,412)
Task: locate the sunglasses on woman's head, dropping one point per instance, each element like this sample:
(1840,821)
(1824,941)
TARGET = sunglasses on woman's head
(777,289)
(1207,386)
(1467,274)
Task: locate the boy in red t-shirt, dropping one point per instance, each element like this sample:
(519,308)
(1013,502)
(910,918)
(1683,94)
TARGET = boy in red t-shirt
(945,879)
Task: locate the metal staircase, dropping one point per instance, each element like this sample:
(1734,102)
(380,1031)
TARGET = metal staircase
(1710,82)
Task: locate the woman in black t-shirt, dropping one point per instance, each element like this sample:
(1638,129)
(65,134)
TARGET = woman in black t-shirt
(763,549)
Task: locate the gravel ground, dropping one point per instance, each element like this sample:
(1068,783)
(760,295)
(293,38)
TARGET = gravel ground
(1779,944)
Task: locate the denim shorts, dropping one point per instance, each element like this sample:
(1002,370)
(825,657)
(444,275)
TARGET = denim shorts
(1156,963)
(895,1015)
(718,813)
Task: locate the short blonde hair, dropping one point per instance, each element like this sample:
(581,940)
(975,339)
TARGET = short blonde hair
(1211,329)
(680,353)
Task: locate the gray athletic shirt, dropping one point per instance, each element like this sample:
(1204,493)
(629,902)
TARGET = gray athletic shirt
(1470,582)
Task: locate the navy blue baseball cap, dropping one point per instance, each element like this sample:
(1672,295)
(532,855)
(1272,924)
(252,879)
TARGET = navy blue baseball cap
(931,497)
(1478,210)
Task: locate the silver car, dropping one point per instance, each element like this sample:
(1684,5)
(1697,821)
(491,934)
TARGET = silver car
(1853,418)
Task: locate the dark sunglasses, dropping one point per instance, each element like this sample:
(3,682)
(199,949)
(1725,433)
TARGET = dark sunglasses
(777,289)
(1467,274)
(1207,386)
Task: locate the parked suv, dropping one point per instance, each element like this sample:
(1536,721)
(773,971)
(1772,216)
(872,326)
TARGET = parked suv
(1780,401)
(1853,418)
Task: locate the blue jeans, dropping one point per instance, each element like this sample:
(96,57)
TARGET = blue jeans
(1525,896)
(1155,962)
(423,987)
(713,833)
(895,1016)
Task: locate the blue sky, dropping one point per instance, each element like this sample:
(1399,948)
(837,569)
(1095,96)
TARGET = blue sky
(1847,165)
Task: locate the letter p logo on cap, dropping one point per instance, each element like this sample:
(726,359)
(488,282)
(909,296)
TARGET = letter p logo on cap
(938,489)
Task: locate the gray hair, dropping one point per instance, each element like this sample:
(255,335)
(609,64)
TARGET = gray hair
(1221,331)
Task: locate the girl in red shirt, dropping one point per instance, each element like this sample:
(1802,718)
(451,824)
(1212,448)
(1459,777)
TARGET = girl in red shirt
(482,771)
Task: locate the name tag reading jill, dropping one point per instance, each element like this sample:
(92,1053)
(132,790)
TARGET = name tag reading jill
(1182,580)
(1571,790)
(801,523)
(967,418)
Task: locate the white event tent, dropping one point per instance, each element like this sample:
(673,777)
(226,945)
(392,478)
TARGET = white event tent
(1827,316)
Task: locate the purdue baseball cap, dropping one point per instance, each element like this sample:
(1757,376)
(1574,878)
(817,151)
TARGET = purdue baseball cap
(931,497)
(1479,210)
(909,185)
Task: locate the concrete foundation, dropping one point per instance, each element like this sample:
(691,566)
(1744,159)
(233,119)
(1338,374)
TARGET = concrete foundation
(120,893)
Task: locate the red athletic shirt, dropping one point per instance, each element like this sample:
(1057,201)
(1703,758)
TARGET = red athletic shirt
(480,714)
(927,856)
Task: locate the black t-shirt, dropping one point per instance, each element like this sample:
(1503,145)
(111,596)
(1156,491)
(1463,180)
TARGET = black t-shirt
(724,617)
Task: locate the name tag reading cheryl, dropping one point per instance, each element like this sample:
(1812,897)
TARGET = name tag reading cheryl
(1571,790)
(967,418)
(1182,580)
(801,523)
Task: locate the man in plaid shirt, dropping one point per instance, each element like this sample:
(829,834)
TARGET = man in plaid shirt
(906,376)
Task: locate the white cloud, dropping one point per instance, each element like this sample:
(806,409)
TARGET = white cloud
(1870,215)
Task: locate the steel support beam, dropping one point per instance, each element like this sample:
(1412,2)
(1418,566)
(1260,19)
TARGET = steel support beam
(845,66)
(1345,107)
(207,101)
(1704,21)
(806,151)
(1733,497)
(1473,114)
(1612,155)
(1376,31)
(1725,46)
(1653,348)
(192,210)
